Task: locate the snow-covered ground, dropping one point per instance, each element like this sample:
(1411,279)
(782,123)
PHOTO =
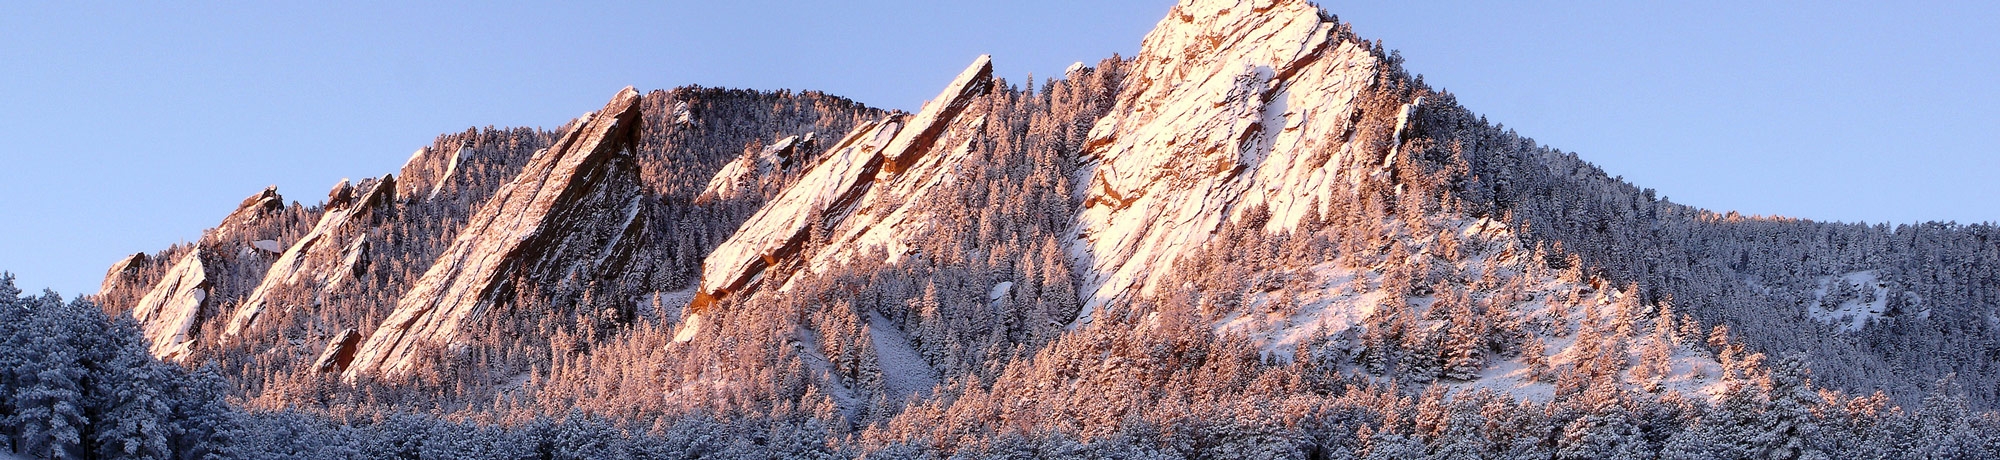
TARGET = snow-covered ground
(904,371)
(1852,314)
(1335,299)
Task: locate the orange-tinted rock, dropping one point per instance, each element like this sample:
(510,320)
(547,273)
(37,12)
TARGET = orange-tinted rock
(569,211)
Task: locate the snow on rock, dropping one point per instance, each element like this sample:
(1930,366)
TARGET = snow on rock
(567,213)
(911,145)
(168,313)
(324,256)
(270,246)
(450,167)
(870,162)
(1228,105)
(1000,290)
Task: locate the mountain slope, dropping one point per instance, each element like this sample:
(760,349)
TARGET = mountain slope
(1259,237)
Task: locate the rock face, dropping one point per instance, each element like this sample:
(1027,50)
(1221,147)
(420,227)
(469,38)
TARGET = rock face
(125,267)
(571,210)
(742,176)
(324,256)
(174,309)
(339,352)
(169,313)
(1230,105)
(867,163)
(247,213)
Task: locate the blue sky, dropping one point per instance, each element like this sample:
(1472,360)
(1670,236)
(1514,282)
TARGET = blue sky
(128,127)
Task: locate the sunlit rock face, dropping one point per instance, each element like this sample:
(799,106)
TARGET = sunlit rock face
(572,213)
(168,314)
(177,304)
(121,271)
(744,176)
(333,252)
(893,155)
(1229,105)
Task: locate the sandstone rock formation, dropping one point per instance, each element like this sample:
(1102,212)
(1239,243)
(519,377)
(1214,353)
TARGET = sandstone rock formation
(253,208)
(339,352)
(322,257)
(571,210)
(741,176)
(169,313)
(124,268)
(1230,105)
(865,163)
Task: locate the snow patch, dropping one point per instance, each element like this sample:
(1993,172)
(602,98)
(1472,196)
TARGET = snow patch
(904,371)
(1000,290)
(1862,298)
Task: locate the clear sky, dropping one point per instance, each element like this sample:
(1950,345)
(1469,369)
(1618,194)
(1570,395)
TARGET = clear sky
(128,127)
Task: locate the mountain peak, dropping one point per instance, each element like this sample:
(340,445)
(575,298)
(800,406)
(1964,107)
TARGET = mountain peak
(1230,105)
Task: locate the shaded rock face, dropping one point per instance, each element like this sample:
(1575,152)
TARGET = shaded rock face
(1229,106)
(339,352)
(324,256)
(570,213)
(867,163)
(170,312)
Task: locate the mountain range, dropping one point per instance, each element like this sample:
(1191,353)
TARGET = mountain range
(1260,237)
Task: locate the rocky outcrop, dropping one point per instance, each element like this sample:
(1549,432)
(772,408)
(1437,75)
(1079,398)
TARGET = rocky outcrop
(122,271)
(170,312)
(1229,106)
(248,213)
(321,258)
(175,307)
(339,352)
(867,162)
(746,173)
(573,210)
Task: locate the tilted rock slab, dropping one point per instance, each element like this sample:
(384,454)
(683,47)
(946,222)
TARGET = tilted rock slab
(572,209)
(172,312)
(168,313)
(1229,104)
(121,270)
(321,258)
(873,155)
(737,178)
(339,352)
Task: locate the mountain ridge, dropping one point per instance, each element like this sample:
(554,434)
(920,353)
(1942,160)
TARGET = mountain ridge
(1260,205)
